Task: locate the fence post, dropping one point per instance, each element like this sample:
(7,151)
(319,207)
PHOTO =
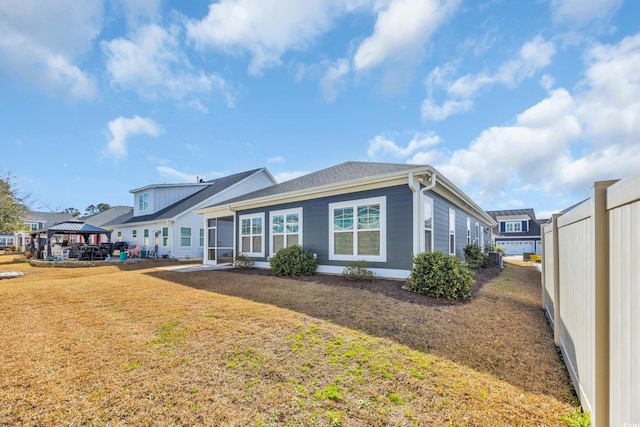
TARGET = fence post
(600,234)
(556,280)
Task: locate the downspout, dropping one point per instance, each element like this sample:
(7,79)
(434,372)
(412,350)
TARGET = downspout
(418,207)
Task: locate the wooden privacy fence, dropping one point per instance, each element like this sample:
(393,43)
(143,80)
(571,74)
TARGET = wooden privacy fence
(591,294)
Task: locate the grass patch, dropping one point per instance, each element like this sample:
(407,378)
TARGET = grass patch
(139,346)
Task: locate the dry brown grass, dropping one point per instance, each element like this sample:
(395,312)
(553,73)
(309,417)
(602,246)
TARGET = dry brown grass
(141,346)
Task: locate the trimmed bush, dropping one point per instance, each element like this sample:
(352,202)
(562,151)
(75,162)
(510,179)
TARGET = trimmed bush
(474,257)
(358,270)
(438,275)
(293,261)
(243,261)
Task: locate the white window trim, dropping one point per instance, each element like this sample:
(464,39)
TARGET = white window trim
(468,231)
(284,212)
(452,231)
(382,201)
(513,223)
(240,248)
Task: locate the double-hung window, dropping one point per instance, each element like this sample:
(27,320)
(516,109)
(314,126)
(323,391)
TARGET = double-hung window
(452,231)
(143,202)
(468,231)
(286,229)
(358,230)
(165,236)
(146,236)
(252,234)
(185,236)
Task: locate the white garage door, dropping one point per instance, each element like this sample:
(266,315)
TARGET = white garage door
(516,248)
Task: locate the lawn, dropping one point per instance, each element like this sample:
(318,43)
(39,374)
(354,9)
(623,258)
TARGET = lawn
(137,345)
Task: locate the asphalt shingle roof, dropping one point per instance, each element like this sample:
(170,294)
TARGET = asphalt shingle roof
(344,172)
(48,218)
(217,185)
(116,214)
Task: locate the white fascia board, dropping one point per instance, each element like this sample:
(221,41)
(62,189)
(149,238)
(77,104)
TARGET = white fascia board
(185,184)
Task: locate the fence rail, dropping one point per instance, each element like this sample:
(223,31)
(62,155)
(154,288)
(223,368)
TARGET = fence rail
(591,294)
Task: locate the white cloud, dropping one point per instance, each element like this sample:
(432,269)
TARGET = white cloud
(122,128)
(264,28)
(432,111)
(401,31)
(168,172)
(286,176)
(580,13)
(276,159)
(533,56)
(40,40)
(151,63)
(382,145)
(565,142)
(334,79)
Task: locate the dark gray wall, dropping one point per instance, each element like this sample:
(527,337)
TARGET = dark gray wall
(315,224)
(399,225)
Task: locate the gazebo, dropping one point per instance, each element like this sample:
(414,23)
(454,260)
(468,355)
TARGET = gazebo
(68,227)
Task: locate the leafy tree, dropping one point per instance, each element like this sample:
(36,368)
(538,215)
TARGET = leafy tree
(94,209)
(13,208)
(73,211)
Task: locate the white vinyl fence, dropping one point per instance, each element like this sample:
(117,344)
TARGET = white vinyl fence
(591,294)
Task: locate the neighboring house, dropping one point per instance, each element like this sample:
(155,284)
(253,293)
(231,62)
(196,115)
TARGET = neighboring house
(382,213)
(115,215)
(163,214)
(517,231)
(36,220)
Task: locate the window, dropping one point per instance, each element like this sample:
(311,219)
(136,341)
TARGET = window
(119,234)
(165,236)
(201,237)
(468,231)
(513,227)
(185,236)
(134,234)
(286,229)
(452,231)
(251,234)
(146,237)
(477,239)
(428,224)
(33,226)
(358,230)
(143,202)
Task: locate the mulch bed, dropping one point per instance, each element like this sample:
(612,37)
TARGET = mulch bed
(393,288)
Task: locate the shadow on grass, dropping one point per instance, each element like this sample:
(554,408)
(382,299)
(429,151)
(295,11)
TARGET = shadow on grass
(502,331)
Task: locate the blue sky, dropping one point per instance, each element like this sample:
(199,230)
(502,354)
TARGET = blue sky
(520,104)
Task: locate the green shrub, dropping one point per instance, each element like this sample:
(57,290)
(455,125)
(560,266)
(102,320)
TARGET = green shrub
(439,275)
(293,261)
(474,256)
(358,270)
(243,261)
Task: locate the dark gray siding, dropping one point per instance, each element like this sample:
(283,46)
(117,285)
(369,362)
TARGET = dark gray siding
(441,225)
(316,225)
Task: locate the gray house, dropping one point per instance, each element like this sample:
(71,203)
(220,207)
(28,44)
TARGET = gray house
(382,213)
